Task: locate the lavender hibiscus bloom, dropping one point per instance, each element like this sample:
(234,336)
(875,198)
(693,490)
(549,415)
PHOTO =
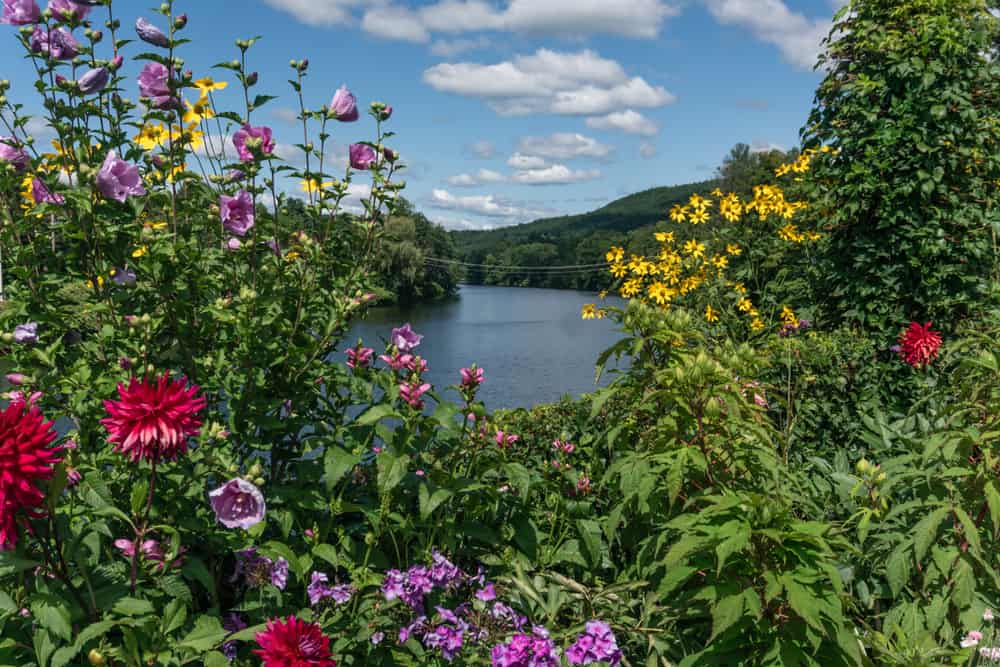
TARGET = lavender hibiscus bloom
(64,9)
(93,80)
(118,179)
(19,12)
(42,195)
(26,333)
(58,44)
(248,138)
(150,34)
(237,212)
(154,84)
(124,277)
(362,156)
(238,504)
(405,338)
(10,152)
(344,105)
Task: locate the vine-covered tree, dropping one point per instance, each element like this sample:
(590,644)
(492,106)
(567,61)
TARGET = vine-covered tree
(910,105)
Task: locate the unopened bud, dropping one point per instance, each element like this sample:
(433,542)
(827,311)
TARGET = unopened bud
(96,36)
(117,62)
(180,21)
(304,65)
(96,658)
(252,79)
(260,481)
(16,379)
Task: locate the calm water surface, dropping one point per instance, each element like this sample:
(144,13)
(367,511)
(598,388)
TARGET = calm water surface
(531,342)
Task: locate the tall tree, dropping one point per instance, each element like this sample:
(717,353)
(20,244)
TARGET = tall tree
(910,105)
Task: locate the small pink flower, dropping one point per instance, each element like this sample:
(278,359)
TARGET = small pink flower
(505,439)
(359,357)
(472,377)
(377,450)
(411,393)
(971,639)
(419,473)
(583,485)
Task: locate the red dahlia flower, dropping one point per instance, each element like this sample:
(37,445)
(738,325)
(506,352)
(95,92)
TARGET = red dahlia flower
(919,345)
(293,643)
(154,418)
(25,458)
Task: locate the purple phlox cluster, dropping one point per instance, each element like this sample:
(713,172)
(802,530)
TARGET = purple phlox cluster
(596,644)
(506,615)
(449,635)
(19,12)
(232,623)
(410,586)
(58,44)
(524,650)
(789,329)
(257,570)
(42,195)
(444,573)
(377,638)
(486,593)
(405,338)
(319,589)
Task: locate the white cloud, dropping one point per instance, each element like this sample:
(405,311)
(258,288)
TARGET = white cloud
(318,12)
(395,23)
(581,83)
(483,148)
(557,174)
(285,115)
(796,36)
(449,48)
(521,161)
(647,150)
(485,205)
(563,146)
(629,121)
(761,146)
(480,177)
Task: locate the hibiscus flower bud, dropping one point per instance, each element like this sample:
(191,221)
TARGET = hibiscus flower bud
(180,21)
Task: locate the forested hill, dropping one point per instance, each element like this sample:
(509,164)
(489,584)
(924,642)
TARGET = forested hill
(567,240)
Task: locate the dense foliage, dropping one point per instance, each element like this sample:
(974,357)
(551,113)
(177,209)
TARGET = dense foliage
(193,470)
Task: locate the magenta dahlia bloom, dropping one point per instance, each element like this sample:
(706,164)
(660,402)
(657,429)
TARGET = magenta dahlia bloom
(13,154)
(344,105)
(93,80)
(150,34)
(596,645)
(19,12)
(238,504)
(249,139)
(919,344)
(42,195)
(58,44)
(25,460)
(362,156)
(293,643)
(154,418)
(63,9)
(154,84)
(405,338)
(237,213)
(117,179)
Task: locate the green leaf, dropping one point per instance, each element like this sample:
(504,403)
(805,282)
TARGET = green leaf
(206,635)
(431,501)
(328,553)
(377,413)
(391,471)
(216,659)
(174,615)
(925,532)
(337,462)
(897,569)
(993,500)
(725,613)
(133,607)
(53,615)
(737,538)
(590,536)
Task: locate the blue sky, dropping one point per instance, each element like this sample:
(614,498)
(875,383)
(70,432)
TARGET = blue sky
(509,110)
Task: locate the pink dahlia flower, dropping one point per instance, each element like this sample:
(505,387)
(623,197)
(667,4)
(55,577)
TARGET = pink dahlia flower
(25,460)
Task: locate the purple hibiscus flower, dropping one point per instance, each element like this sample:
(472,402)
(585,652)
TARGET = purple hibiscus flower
(237,212)
(238,504)
(118,179)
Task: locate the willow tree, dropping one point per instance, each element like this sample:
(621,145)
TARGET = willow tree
(910,103)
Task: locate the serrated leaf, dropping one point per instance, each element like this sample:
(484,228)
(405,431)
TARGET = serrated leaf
(206,635)
(431,501)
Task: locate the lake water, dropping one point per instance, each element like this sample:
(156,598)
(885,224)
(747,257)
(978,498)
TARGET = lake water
(531,342)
